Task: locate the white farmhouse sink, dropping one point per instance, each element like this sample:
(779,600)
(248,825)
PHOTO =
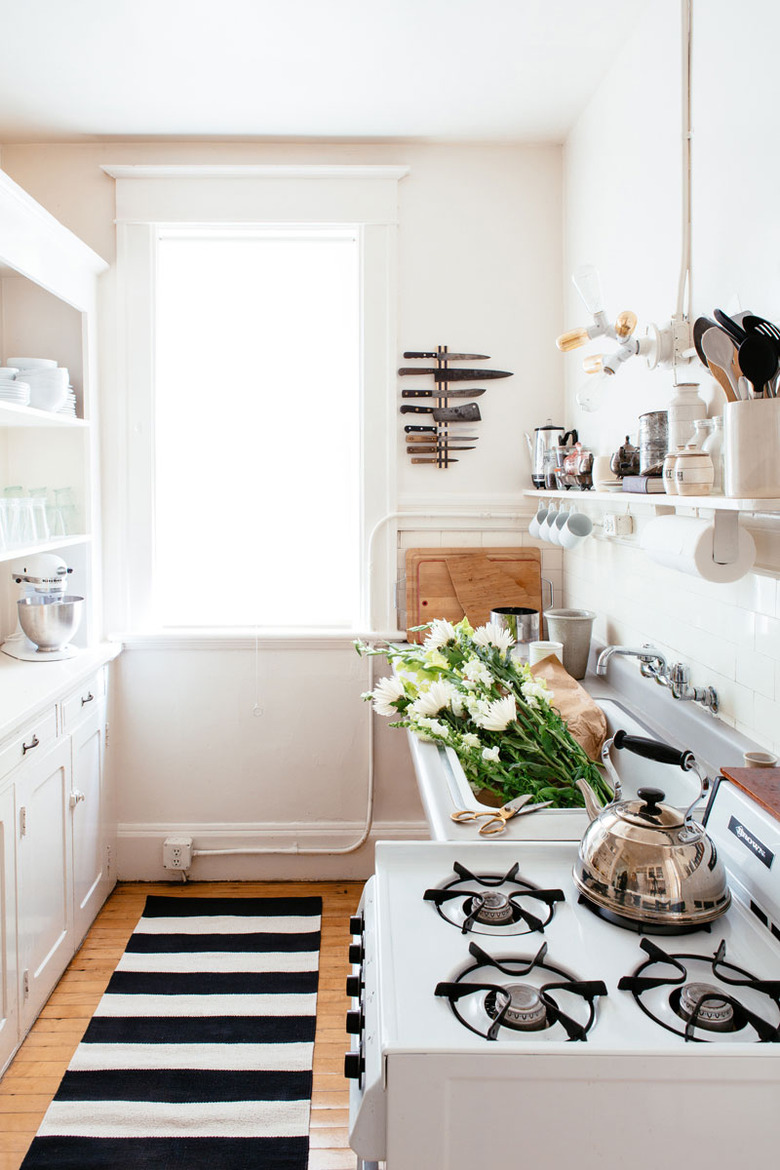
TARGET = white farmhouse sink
(444,787)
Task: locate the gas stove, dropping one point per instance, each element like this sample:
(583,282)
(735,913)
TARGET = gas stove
(481,977)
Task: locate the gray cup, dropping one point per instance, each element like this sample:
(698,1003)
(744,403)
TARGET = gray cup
(522,624)
(572,627)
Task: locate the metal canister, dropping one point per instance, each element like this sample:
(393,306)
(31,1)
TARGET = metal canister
(653,441)
(522,623)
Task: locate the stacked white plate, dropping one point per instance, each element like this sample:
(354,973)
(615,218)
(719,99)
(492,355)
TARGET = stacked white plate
(69,406)
(48,382)
(12,389)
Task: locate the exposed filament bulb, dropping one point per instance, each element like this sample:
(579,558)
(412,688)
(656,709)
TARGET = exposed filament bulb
(594,364)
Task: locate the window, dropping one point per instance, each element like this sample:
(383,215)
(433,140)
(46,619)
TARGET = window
(256,428)
(252,431)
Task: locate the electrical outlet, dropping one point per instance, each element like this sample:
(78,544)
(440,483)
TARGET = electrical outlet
(177,852)
(618,524)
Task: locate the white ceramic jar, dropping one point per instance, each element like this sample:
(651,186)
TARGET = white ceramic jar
(693,472)
(668,474)
(713,445)
(686,406)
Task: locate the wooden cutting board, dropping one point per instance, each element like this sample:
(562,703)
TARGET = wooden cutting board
(761,784)
(451,583)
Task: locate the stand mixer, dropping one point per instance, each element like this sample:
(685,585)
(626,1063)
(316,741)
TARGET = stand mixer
(47,615)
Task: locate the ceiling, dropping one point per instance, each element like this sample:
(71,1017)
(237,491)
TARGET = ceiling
(459,70)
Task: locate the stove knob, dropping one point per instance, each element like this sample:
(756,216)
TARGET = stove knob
(354,1065)
(356,953)
(355,1021)
(356,925)
(354,986)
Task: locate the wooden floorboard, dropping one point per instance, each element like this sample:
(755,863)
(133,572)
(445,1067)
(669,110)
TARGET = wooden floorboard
(33,1077)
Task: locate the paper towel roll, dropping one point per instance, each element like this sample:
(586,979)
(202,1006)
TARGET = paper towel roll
(685,543)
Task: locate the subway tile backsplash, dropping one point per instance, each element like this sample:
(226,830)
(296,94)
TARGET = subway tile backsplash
(729,635)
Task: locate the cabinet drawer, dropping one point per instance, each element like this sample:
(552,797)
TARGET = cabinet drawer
(32,740)
(80,704)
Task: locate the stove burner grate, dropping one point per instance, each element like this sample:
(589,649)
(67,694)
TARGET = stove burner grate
(494,903)
(701,1005)
(490,996)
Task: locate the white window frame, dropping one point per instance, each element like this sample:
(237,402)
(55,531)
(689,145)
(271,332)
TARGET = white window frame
(150,198)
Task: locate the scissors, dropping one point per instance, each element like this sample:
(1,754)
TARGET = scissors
(497,818)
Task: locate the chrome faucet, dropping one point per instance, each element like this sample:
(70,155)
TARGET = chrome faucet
(652,664)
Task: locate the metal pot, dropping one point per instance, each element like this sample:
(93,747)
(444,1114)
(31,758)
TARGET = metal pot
(643,861)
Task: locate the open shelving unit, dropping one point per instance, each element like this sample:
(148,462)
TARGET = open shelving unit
(48,308)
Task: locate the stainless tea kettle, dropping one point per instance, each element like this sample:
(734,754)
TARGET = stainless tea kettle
(642,861)
(544,440)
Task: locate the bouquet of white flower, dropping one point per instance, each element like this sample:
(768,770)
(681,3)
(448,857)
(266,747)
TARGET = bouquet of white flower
(461,688)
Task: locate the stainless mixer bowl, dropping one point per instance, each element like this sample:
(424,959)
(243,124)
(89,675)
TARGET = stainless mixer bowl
(50,622)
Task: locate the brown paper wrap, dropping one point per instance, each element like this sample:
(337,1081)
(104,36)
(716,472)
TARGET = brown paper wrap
(586,721)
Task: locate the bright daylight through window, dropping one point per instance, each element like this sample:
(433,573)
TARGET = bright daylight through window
(257,428)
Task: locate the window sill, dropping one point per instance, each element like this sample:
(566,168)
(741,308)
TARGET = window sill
(251,639)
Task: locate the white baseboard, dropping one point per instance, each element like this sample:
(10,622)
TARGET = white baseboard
(282,850)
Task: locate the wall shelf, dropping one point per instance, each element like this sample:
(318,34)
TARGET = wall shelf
(660,500)
(12,415)
(44,546)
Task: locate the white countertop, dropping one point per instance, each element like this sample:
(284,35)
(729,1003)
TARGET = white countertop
(27,688)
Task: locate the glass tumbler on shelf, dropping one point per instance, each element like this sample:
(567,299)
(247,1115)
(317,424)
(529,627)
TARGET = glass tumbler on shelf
(21,521)
(40,521)
(65,504)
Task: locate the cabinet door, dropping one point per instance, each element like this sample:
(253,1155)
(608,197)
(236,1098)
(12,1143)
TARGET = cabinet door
(44,893)
(90,858)
(9,984)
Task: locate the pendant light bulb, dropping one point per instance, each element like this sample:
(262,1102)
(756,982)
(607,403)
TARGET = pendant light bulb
(572,340)
(587,282)
(591,397)
(593,364)
(625,324)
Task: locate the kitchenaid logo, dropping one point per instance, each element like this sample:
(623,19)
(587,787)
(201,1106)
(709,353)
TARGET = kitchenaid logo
(752,843)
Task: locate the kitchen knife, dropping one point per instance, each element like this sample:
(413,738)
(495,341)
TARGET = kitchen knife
(446,393)
(448,357)
(442,462)
(468,413)
(433,432)
(442,450)
(453,375)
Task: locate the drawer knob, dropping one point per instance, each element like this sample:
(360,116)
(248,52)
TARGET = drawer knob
(76,796)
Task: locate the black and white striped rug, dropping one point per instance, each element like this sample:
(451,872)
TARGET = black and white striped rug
(200,1052)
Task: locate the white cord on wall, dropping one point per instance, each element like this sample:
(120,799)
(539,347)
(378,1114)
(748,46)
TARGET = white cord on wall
(296,850)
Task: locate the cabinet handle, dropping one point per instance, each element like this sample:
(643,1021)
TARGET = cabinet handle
(89,699)
(75,797)
(27,747)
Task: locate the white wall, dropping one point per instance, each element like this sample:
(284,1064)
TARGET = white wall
(623,212)
(479,270)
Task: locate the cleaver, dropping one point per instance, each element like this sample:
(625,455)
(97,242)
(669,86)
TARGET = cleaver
(468,413)
(454,375)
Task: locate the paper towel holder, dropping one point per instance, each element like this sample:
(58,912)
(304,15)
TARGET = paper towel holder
(725,537)
(725,533)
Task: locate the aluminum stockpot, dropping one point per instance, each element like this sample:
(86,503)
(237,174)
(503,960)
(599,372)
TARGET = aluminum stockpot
(50,621)
(521,623)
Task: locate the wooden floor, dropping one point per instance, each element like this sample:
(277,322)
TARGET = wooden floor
(32,1079)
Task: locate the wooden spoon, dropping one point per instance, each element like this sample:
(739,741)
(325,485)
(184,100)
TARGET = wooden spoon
(720,352)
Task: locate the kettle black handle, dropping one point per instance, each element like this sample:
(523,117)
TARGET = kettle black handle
(653,749)
(574,438)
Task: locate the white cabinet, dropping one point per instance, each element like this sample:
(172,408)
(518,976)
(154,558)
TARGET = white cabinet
(43,876)
(55,839)
(9,997)
(88,805)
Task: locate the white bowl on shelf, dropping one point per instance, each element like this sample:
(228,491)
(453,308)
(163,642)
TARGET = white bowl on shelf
(25,363)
